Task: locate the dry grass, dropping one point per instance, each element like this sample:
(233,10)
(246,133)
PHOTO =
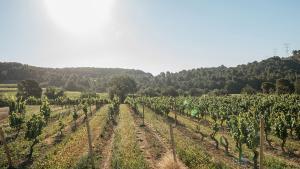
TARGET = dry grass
(8,85)
(167,162)
(126,152)
(3,113)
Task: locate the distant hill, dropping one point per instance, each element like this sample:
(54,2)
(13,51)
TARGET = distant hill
(229,79)
(194,81)
(77,79)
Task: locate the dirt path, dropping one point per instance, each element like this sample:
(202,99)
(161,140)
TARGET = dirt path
(105,147)
(153,145)
(165,143)
(3,113)
(107,152)
(217,155)
(143,143)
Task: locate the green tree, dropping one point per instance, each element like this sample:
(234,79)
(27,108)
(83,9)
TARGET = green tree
(122,86)
(71,83)
(53,93)
(295,52)
(248,90)
(88,94)
(34,129)
(33,101)
(149,92)
(233,86)
(29,88)
(169,91)
(297,86)
(268,87)
(284,86)
(196,92)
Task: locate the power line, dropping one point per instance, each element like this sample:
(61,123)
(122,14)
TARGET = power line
(287,48)
(275,52)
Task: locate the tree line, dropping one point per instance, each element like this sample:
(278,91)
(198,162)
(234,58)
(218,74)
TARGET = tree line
(247,78)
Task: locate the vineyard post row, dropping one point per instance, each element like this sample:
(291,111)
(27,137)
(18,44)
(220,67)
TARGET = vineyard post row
(35,125)
(6,149)
(250,119)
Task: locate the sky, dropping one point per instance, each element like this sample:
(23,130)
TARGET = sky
(151,35)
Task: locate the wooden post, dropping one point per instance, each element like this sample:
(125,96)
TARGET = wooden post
(90,141)
(174,108)
(173,142)
(91,109)
(262,140)
(6,149)
(175,118)
(143,114)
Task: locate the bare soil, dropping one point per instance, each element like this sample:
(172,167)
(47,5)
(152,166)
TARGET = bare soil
(154,147)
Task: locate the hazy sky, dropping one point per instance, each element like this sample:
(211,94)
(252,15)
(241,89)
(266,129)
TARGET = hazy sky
(151,35)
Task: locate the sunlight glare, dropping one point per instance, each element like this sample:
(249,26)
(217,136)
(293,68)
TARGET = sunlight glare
(80,17)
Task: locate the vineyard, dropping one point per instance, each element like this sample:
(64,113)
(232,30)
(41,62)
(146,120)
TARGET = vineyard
(152,132)
(232,124)
(111,84)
